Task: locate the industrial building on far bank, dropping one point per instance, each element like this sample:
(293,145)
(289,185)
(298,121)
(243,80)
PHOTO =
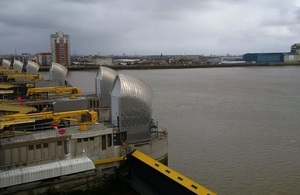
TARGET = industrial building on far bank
(291,57)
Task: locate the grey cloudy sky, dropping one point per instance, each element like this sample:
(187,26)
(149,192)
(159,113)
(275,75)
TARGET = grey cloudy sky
(151,27)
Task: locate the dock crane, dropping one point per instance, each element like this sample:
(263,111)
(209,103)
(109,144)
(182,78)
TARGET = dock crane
(83,117)
(4,71)
(35,77)
(36,92)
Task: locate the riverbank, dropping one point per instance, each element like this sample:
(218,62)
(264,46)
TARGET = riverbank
(172,66)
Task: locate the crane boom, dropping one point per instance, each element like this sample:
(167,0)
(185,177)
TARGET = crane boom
(73,91)
(80,116)
(9,71)
(25,76)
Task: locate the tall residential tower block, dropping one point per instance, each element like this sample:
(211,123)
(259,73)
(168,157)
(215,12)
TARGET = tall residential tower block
(60,48)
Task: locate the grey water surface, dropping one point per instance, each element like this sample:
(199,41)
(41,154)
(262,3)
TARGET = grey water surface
(233,130)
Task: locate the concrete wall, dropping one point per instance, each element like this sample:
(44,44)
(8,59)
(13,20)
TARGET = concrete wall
(291,57)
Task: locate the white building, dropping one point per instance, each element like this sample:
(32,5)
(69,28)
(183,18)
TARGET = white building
(100,61)
(44,58)
(294,55)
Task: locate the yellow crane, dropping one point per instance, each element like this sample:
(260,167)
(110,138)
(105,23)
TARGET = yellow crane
(25,76)
(83,117)
(36,92)
(8,71)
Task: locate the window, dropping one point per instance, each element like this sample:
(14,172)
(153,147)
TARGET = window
(38,146)
(103,142)
(109,140)
(92,138)
(31,147)
(86,139)
(66,147)
(45,145)
(59,143)
(79,140)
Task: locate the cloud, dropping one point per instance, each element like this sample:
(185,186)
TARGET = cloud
(150,27)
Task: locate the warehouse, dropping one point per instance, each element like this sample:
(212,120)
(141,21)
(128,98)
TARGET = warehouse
(264,57)
(287,57)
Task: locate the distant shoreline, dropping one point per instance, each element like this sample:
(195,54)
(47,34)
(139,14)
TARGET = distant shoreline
(172,66)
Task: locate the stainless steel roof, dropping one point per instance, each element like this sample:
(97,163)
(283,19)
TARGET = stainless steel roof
(18,65)
(134,100)
(32,68)
(58,72)
(104,83)
(6,63)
